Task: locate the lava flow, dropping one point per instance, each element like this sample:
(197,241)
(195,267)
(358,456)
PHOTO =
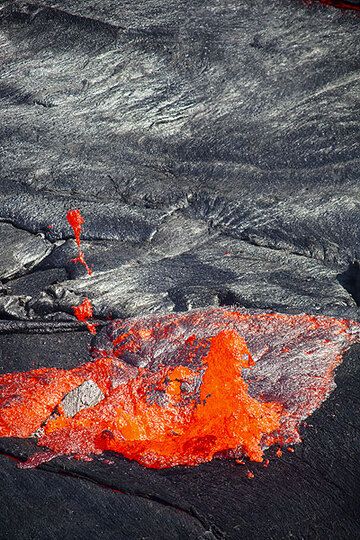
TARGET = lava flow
(84,311)
(181,389)
(76,221)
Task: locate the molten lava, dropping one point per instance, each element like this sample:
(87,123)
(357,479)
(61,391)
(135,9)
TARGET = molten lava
(181,389)
(76,221)
(83,312)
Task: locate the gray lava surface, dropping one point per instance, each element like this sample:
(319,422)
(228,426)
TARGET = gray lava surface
(213,150)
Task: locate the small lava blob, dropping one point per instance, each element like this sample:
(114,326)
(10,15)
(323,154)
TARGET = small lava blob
(83,312)
(76,221)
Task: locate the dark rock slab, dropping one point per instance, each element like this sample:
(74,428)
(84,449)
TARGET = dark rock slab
(26,347)
(36,504)
(20,251)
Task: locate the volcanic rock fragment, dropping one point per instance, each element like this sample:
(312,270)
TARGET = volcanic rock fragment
(86,395)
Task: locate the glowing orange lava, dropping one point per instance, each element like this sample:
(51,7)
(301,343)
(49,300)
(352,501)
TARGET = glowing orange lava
(76,221)
(83,312)
(340,4)
(172,388)
(181,431)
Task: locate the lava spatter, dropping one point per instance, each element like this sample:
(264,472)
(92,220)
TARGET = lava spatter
(182,389)
(76,221)
(83,312)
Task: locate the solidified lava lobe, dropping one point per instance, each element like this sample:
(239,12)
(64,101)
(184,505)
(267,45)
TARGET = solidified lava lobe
(181,389)
(76,221)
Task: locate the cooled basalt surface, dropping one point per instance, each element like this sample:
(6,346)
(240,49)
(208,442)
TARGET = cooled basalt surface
(214,163)
(213,151)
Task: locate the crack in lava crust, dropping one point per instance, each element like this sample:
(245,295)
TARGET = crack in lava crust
(181,389)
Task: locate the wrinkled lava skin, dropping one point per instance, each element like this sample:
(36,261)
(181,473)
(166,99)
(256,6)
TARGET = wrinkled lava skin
(185,388)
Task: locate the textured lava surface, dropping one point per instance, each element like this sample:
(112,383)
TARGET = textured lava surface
(213,151)
(171,390)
